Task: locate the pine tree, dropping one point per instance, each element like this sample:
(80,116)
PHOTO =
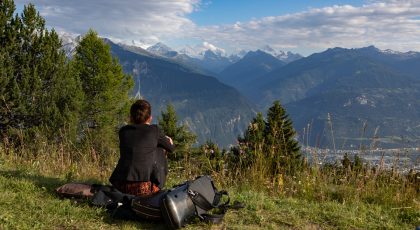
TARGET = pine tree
(272,141)
(9,50)
(182,137)
(37,91)
(281,140)
(254,136)
(105,87)
(346,162)
(168,121)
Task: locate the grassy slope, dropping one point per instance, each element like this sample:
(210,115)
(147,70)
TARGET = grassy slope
(27,201)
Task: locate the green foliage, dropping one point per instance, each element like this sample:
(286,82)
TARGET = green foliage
(43,95)
(355,166)
(105,87)
(346,161)
(270,144)
(214,157)
(280,132)
(256,133)
(37,90)
(358,164)
(168,121)
(182,137)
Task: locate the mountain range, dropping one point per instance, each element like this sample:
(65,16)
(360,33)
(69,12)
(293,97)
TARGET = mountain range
(213,61)
(347,98)
(372,97)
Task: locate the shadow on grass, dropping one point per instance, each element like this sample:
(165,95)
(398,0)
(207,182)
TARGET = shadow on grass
(51,183)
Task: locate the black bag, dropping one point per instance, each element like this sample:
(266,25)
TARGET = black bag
(191,199)
(148,207)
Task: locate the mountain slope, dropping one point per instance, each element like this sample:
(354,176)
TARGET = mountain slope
(211,109)
(251,67)
(320,71)
(407,62)
(356,89)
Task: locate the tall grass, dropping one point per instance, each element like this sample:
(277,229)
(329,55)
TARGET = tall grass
(331,182)
(64,159)
(353,185)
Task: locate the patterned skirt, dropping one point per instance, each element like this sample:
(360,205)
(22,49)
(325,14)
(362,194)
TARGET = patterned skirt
(137,188)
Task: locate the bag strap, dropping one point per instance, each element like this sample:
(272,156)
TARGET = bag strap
(200,201)
(218,218)
(203,203)
(213,218)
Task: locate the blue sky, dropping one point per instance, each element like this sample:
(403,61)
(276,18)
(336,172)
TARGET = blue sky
(214,12)
(232,25)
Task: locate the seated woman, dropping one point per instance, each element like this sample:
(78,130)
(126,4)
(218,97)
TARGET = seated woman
(142,167)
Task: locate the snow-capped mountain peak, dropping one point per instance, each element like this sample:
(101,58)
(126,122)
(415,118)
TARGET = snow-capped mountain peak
(268,49)
(69,42)
(200,51)
(162,50)
(159,48)
(280,54)
(189,51)
(403,54)
(372,50)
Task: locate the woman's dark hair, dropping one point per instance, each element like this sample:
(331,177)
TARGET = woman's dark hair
(140,111)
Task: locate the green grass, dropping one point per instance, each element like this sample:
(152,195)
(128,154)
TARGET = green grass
(28,201)
(316,199)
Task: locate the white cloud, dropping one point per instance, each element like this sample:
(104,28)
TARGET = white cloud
(387,24)
(145,21)
(391,24)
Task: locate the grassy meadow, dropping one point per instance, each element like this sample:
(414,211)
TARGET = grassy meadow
(334,198)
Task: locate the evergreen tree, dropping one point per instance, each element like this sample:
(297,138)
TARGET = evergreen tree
(255,134)
(272,140)
(281,139)
(251,145)
(7,43)
(37,90)
(168,121)
(105,87)
(182,137)
(346,162)
(358,164)
(214,156)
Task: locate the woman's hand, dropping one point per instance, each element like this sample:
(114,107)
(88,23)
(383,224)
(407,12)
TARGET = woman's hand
(170,140)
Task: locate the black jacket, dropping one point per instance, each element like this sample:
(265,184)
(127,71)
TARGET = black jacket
(142,156)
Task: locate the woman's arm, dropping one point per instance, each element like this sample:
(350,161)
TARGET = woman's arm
(165,141)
